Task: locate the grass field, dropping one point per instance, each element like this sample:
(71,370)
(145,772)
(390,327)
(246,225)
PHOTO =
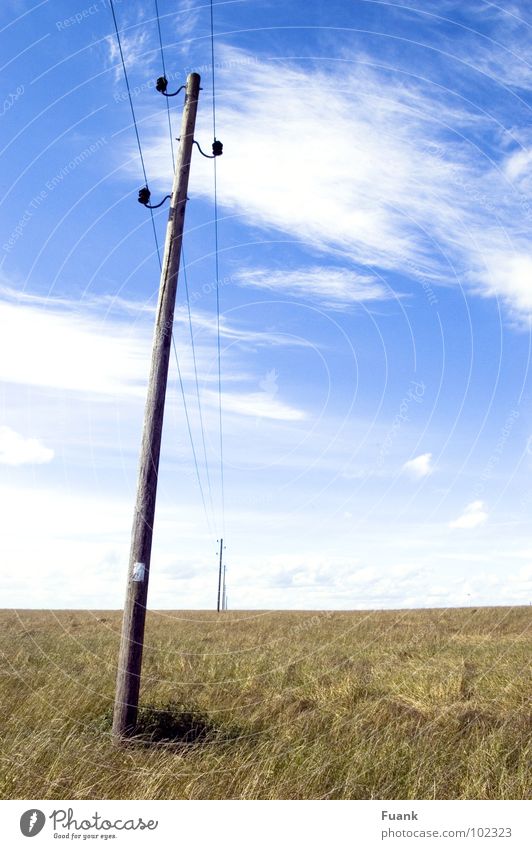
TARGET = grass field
(394,704)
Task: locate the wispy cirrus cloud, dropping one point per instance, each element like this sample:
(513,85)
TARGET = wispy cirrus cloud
(506,58)
(186,22)
(257,405)
(102,344)
(393,180)
(331,287)
(134,46)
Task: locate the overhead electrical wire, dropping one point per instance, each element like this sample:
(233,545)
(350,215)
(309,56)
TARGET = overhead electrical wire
(164,73)
(217,273)
(124,69)
(134,123)
(213,74)
(190,436)
(200,412)
(194,359)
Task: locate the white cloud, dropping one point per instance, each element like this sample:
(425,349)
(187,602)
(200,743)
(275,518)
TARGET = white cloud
(102,344)
(18,450)
(473,516)
(518,163)
(134,48)
(78,352)
(383,183)
(332,287)
(188,16)
(257,404)
(351,566)
(235,332)
(509,276)
(507,57)
(420,466)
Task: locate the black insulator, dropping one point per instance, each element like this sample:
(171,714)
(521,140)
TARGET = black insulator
(217,148)
(161,84)
(144,195)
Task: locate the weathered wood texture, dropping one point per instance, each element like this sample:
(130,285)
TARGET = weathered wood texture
(130,657)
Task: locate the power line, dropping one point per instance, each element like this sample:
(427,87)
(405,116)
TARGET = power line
(213,78)
(219,347)
(124,69)
(217,270)
(196,379)
(134,124)
(164,72)
(128,91)
(185,277)
(190,435)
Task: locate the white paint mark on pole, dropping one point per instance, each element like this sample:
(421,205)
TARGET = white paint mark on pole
(139,570)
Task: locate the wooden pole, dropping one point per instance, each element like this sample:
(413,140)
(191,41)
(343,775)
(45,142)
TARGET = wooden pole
(130,657)
(220,575)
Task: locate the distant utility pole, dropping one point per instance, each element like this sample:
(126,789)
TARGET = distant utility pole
(220,575)
(130,658)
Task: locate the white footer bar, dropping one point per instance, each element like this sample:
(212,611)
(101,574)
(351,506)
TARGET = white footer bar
(257,824)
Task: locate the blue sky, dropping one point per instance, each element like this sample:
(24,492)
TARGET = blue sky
(376,290)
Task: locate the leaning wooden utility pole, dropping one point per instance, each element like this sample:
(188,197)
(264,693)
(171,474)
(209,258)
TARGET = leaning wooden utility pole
(130,658)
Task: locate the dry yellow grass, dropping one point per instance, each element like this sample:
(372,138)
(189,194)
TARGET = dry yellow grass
(428,704)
